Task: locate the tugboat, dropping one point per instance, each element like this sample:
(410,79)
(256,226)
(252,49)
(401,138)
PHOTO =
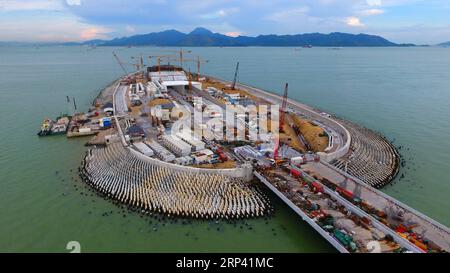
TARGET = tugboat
(46,127)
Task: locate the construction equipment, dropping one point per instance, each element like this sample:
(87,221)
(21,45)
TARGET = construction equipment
(283,108)
(173,58)
(277,160)
(190,80)
(199,62)
(168,58)
(139,63)
(233,85)
(180,52)
(275,150)
(120,63)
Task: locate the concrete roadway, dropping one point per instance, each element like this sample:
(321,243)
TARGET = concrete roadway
(120,101)
(427,227)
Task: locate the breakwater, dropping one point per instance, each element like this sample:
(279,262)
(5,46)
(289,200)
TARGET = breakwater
(118,174)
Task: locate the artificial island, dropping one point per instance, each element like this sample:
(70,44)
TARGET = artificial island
(192,145)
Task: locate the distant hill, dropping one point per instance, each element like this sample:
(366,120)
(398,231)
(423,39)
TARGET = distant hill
(204,37)
(444,44)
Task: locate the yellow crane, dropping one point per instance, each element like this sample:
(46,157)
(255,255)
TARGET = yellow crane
(199,61)
(180,52)
(139,62)
(168,58)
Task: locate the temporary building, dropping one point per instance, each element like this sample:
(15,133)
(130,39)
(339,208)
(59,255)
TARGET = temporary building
(141,147)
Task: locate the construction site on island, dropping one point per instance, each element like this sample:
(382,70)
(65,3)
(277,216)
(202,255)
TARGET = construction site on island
(150,149)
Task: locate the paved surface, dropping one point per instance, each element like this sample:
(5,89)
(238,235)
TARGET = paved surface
(120,101)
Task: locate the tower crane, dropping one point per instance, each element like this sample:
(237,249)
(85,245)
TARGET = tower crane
(139,63)
(168,58)
(199,62)
(180,52)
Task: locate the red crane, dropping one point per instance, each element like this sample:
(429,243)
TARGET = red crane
(283,108)
(275,150)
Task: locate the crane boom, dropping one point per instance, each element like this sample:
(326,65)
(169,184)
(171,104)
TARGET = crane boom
(120,62)
(233,85)
(199,62)
(283,107)
(181,54)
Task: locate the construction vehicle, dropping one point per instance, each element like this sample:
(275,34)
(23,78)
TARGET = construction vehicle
(345,239)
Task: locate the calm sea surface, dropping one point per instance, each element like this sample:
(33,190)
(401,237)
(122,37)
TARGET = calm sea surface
(404,93)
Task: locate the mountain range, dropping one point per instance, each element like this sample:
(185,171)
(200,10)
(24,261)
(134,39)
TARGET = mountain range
(204,37)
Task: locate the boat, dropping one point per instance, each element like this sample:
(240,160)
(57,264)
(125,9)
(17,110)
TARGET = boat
(46,127)
(61,126)
(50,127)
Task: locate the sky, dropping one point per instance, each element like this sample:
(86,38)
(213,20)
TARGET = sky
(401,21)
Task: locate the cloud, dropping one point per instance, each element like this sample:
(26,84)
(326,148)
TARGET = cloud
(284,15)
(29,5)
(73,2)
(92,33)
(61,29)
(233,33)
(353,22)
(116,18)
(369,12)
(46,21)
(374,3)
(221,13)
(130,29)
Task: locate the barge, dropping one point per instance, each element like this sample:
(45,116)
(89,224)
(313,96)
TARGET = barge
(58,127)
